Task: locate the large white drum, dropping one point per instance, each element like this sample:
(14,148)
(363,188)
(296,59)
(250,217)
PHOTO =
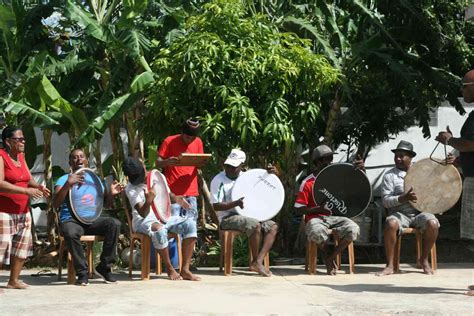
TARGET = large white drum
(263,194)
(161,205)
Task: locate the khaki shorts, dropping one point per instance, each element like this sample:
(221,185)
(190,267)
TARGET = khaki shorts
(317,229)
(244,224)
(418,221)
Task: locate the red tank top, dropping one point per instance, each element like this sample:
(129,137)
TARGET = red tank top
(19,176)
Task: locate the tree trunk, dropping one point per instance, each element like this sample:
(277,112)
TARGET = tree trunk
(287,233)
(333,116)
(48,178)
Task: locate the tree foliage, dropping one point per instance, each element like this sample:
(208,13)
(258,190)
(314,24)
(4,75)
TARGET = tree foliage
(254,86)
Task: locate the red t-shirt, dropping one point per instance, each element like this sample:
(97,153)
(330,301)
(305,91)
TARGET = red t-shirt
(19,176)
(305,197)
(182,180)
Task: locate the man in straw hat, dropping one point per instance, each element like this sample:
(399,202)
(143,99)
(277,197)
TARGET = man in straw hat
(400,213)
(229,219)
(465,145)
(319,218)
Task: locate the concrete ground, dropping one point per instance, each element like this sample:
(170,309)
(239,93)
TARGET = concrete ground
(289,291)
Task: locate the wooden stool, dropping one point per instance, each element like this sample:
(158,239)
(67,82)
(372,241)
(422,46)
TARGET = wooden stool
(227,245)
(312,255)
(145,243)
(419,245)
(71,272)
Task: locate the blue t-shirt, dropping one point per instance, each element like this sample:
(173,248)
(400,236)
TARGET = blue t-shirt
(65,213)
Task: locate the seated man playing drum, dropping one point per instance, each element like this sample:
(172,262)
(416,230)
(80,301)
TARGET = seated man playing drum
(319,219)
(229,219)
(72,229)
(146,222)
(400,213)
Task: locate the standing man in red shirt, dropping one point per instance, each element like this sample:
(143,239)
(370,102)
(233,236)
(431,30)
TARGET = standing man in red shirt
(182,180)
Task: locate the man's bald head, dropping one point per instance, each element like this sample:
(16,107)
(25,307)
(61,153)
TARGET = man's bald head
(468,86)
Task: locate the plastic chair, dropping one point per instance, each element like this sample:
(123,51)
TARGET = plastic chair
(419,245)
(312,255)
(227,247)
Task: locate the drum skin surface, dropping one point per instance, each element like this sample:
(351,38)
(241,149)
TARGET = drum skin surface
(161,204)
(87,199)
(345,189)
(437,186)
(263,194)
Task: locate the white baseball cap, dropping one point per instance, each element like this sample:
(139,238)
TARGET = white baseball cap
(235,158)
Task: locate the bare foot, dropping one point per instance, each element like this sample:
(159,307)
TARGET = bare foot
(386,271)
(187,275)
(19,285)
(259,268)
(173,275)
(425,265)
(470,293)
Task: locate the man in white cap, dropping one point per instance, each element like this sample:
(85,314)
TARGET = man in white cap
(318,218)
(401,213)
(229,219)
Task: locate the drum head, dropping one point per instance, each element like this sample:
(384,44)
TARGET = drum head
(87,199)
(345,189)
(161,204)
(437,187)
(263,194)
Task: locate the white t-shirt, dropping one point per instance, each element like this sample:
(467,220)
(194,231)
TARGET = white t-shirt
(221,188)
(136,195)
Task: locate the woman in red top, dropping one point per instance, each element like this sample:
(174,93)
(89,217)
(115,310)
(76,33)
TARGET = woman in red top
(16,187)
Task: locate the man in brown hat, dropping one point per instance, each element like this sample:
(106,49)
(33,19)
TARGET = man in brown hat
(465,145)
(400,213)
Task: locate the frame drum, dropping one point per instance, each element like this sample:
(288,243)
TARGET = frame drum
(87,199)
(345,189)
(263,194)
(161,205)
(437,186)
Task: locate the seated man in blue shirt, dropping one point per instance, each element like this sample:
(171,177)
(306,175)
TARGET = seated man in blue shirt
(72,229)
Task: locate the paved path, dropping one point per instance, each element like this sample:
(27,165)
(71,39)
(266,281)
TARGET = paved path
(289,291)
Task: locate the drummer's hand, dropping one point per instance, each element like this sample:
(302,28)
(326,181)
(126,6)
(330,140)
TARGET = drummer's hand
(46,192)
(74,178)
(450,159)
(325,209)
(273,169)
(239,202)
(409,196)
(181,200)
(34,193)
(116,187)
(359,163)
(149,196)
(156,227)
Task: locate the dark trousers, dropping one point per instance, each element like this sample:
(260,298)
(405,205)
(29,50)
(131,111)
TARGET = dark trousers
(108,227)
